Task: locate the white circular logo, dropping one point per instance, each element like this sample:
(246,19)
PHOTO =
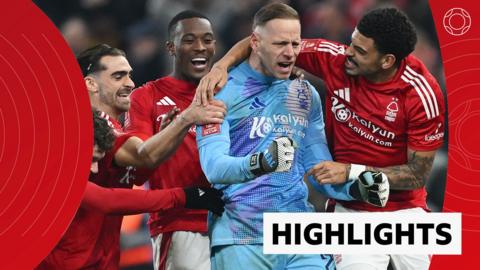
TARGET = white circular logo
(457,21)
(342,115)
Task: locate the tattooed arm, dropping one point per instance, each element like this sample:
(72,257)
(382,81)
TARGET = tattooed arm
(411,175)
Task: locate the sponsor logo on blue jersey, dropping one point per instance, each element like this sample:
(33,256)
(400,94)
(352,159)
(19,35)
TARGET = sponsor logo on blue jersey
(279,123)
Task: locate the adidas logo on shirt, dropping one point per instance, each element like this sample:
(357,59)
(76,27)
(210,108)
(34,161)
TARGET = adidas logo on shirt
(166,101)
(257,104)
(343,93)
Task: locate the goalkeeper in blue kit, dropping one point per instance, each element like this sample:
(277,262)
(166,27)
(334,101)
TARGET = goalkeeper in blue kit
(272,135)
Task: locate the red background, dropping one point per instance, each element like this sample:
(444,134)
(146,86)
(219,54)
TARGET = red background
(461,60)
(45,122)
(45,135)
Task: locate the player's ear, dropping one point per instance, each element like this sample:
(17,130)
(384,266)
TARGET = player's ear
(170,46)
(214,46)
(388,61)
(254,40)
(91,83)
(93,89)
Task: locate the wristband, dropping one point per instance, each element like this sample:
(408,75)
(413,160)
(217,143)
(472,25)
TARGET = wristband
(255,164)
(355,171)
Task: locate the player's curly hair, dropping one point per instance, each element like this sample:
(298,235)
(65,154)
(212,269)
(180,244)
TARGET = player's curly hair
(391,30)
(89,60)
(103,136)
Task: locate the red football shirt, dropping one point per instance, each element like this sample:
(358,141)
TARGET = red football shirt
(148,104)
(106,252)
(374,124)
(92,239)
(77,244)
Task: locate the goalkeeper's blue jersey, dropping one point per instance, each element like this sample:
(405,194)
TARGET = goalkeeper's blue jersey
(260,109)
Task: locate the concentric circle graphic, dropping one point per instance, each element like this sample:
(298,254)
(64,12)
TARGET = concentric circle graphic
(457,21)
(45,127)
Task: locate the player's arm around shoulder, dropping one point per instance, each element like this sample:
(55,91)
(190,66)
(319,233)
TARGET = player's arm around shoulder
(141,150)
(321,57)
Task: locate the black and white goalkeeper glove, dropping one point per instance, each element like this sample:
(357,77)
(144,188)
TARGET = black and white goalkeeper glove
(278,157)
(371,187)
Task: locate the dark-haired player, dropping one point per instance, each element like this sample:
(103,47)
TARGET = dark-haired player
(178,236)
(384,112)
(107,72)
(76,249)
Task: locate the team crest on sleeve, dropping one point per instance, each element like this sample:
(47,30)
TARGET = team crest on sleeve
(210,129)
(300,97)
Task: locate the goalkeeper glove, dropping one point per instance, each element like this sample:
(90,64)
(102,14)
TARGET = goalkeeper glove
(372,188)
(204,198)
(277,157)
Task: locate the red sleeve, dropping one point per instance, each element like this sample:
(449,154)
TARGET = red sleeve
(121,201)
(317,55)
(120,140)
(138,121)
(426,110)
(139,175)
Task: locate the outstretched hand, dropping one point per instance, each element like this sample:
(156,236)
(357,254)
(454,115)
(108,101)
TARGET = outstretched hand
(329,172)
(210,84)
(213,113)
(169,117)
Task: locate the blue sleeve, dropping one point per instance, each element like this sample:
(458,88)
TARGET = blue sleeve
(214,147)
(316,151)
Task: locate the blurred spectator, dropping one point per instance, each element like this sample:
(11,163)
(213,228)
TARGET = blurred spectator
(145,48)
(326,20)
(76,33)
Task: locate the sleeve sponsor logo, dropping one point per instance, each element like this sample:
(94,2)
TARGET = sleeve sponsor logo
(192,129)
(436,136)
(210,129)
(307,44)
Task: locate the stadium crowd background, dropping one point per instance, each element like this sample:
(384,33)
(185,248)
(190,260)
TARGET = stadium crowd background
(140,28)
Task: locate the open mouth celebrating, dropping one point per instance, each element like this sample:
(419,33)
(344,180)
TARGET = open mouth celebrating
(285,67)
(349,63)
(124,93)
(199,63)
